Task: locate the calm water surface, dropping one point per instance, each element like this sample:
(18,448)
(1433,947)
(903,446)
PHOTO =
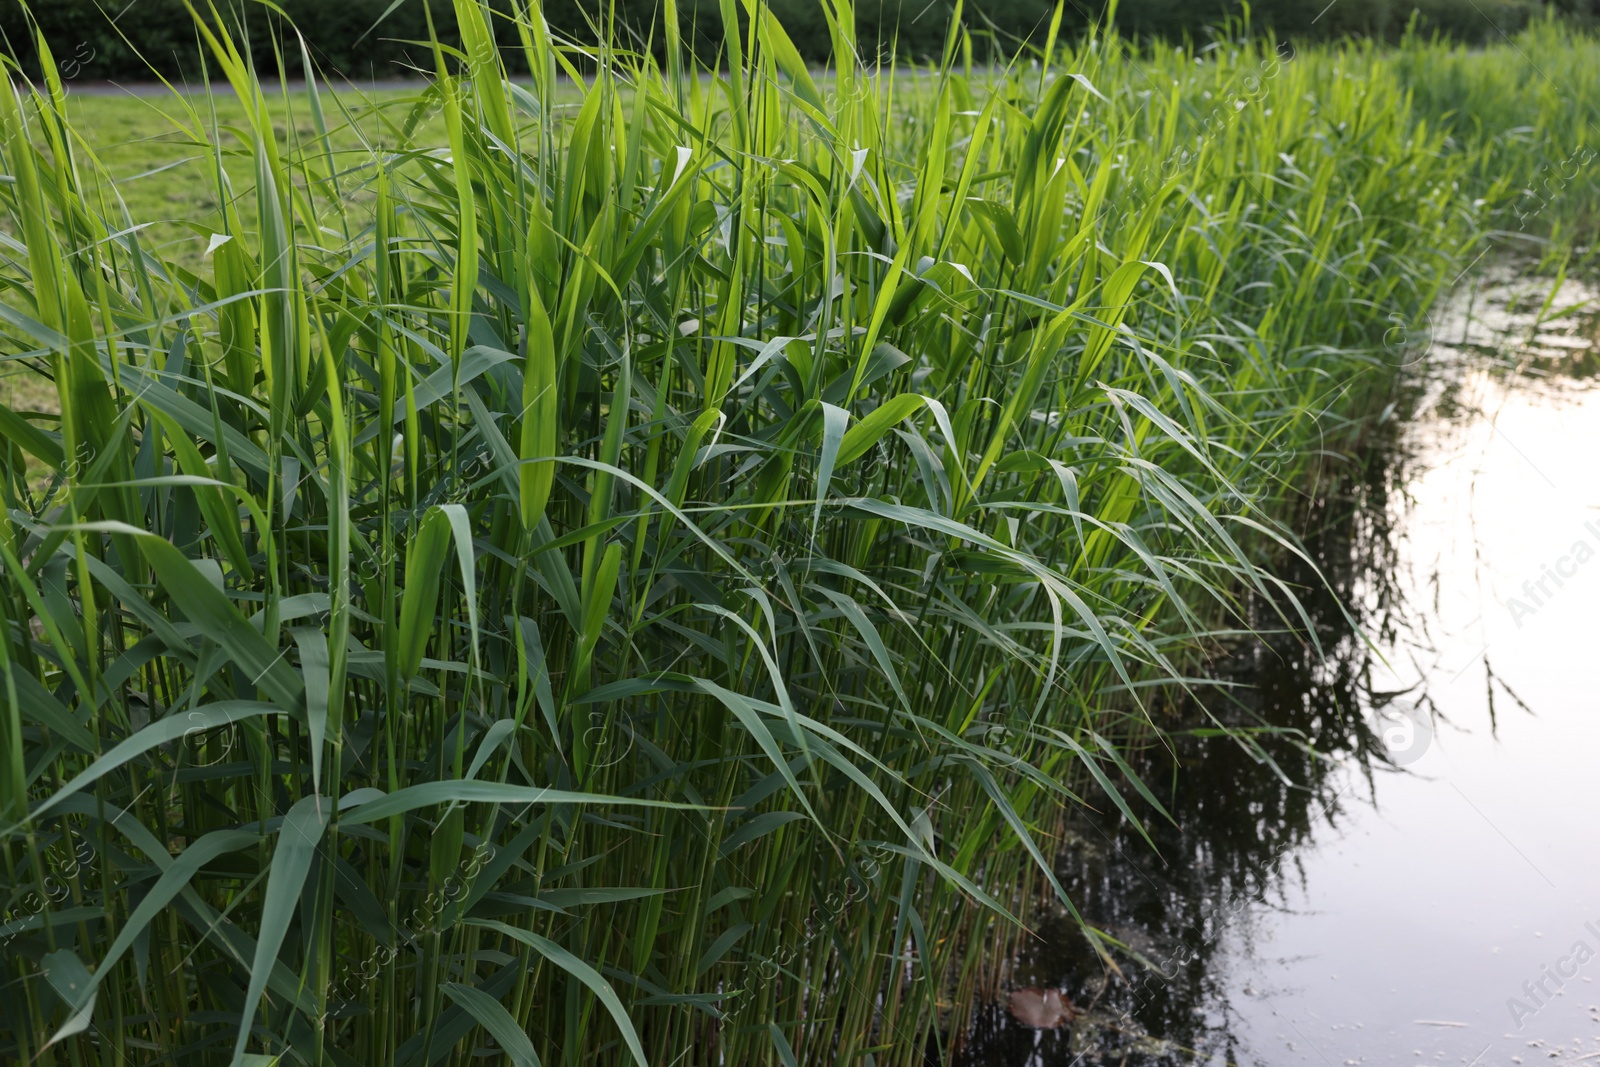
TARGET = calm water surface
(1349,911)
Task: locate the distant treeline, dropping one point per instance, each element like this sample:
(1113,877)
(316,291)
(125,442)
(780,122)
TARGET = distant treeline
(102,39)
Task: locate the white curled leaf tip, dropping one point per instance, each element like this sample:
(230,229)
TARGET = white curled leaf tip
(685,154)
(1161,268)
(1089,85)
(858,159)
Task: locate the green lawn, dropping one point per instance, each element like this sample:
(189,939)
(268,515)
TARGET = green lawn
(157,167)
(164,173)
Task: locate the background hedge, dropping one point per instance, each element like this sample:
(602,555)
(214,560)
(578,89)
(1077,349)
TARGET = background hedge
(105,41)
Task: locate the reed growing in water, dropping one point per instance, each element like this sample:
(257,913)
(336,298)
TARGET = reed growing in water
(641,575)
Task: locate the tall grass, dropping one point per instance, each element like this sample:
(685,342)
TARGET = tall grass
(642,579)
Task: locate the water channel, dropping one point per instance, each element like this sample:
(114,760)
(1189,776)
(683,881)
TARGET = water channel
(1425,888)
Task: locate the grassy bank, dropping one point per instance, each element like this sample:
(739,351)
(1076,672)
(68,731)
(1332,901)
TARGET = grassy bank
(637,568)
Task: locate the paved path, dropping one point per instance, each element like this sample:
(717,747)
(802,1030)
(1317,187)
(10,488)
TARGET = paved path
(221,87)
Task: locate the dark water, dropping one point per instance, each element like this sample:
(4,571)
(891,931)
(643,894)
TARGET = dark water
(1414,875)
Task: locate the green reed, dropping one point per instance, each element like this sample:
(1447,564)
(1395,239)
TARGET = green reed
(634,562)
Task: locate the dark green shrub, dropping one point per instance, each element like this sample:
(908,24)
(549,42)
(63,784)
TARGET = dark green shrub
(154,34)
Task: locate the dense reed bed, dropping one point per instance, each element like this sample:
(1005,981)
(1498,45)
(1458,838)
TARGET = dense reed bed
(642,576)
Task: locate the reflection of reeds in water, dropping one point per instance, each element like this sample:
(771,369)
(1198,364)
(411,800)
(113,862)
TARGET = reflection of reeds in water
(1244,815)
(1243,804)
